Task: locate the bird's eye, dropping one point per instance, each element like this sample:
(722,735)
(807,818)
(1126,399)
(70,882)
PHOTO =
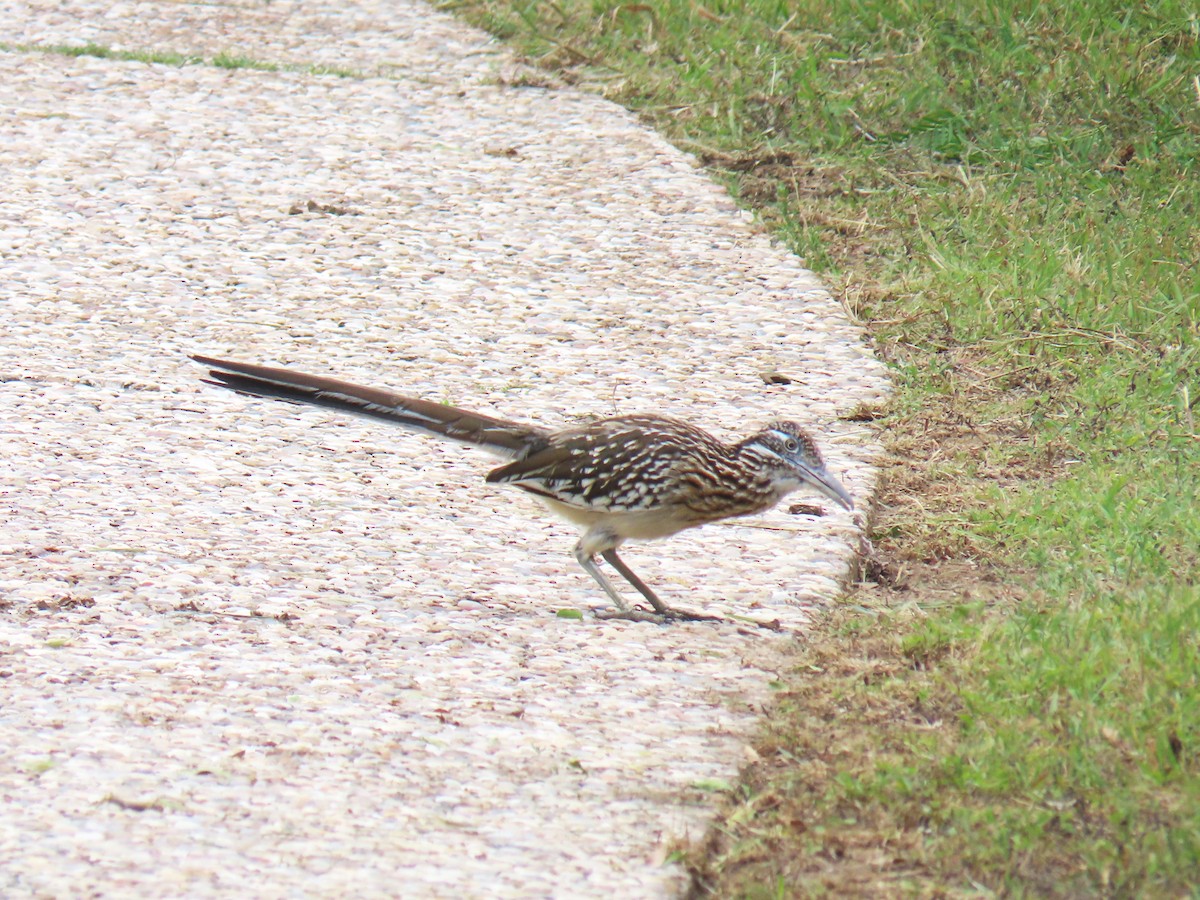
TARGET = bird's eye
(792,446)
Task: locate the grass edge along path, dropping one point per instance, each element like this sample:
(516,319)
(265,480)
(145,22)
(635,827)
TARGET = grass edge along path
(1006,195)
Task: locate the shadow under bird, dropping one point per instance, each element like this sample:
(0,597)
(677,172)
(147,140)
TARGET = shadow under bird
(622,478)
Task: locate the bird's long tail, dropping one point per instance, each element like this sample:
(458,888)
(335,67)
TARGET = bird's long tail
(501,437)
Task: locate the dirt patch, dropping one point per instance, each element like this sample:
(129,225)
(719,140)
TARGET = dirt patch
(862,693)
(866,686)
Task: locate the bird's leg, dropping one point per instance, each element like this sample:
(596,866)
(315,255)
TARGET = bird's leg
(661,613)
(628,574)
(660,608)
(585,559)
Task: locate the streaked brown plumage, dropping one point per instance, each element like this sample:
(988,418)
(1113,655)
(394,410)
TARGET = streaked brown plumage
(621,478)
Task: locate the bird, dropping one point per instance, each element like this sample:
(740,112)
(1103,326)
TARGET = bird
(625,477)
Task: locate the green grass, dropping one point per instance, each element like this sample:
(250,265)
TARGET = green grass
(170,58)
(101,51)
(1007,194)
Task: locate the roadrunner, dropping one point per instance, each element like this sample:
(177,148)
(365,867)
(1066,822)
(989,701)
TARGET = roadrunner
(622,478)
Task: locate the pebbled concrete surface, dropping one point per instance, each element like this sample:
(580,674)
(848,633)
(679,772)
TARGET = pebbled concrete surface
(252,650)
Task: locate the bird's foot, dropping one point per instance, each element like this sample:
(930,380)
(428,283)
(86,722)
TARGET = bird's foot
(668,614)
(658,618)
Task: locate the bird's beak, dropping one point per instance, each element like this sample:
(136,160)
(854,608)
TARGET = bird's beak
(829,486)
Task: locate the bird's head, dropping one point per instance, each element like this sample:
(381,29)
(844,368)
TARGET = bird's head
(793,455)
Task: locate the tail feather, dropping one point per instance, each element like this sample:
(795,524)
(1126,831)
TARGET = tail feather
(501,437)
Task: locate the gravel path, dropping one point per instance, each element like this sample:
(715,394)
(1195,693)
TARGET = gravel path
(248,650)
